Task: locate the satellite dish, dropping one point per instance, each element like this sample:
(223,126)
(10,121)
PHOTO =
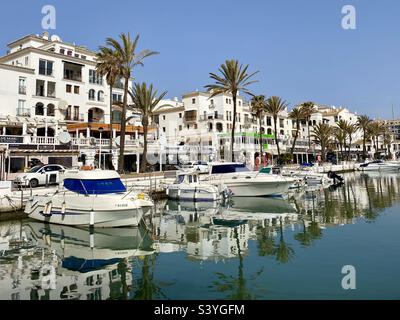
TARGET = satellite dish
(64,138)
(63,105)
(55,38)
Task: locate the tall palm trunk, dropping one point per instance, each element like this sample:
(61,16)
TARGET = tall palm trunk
(341,151)
(309,134)
(121,162)
(234,98)
(323,152)
(364,145)
(143,164)
(350,142)
(261,140)
(296,136)
(111,124)
(276,135)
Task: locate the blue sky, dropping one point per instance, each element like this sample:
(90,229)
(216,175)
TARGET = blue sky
(299,47)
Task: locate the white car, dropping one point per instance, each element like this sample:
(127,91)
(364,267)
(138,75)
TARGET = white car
(40,176)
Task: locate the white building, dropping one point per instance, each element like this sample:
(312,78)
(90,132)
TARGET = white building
(48,87)
(204,123)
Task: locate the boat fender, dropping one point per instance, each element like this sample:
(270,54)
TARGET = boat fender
(167,191)
(179,193)
(91,222)
(195,193)
(48,209)
(63,208)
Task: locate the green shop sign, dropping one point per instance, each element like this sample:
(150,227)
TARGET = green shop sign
(247,135)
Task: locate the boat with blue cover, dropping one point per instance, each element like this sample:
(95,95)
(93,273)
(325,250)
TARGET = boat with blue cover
(93,198)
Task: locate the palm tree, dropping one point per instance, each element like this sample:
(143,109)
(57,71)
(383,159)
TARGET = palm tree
(233,79)
(351,129)
(308,110)
(265,241)
(147,288)
(108,66)
(236,286)
(305,238)
(342,126)
(144,101)
(322,133)
(363,123)
(128,59)
(258,106)
(274,106)
(387,139)
(340,137)
(375,130)
(283,251)
(297,115)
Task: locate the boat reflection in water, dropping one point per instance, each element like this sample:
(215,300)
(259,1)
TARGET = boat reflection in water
(211,232)
(237,251)
(73,263)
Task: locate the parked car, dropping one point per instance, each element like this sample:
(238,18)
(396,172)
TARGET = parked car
(35,162)
(40,175)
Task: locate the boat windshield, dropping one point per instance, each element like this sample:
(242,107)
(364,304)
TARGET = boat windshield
(229,168)
(181,179)
(95,187)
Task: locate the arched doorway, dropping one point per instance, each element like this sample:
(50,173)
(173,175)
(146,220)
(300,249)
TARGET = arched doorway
(39,109)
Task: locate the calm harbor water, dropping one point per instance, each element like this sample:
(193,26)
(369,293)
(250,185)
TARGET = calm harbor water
(252,248)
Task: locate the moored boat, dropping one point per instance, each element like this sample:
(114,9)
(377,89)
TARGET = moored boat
(245,183)
(380,165)
(91,198)
(188,187)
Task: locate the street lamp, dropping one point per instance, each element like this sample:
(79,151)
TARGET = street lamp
(101,130)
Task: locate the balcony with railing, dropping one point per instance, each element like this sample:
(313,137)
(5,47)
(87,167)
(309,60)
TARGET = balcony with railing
(22,89)
(44,140)
(250,121)
(190,116)
(208,117)
(52,143)
(70,117)
(72,72)
(22,112)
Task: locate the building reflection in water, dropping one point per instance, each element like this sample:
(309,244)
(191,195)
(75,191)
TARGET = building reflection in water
(42,262)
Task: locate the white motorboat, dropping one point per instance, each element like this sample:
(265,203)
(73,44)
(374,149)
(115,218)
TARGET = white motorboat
(245,183)
(92,198)
(309,177)
(380,165)
(105,245)
(188,187)
(298,182)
